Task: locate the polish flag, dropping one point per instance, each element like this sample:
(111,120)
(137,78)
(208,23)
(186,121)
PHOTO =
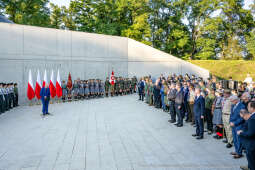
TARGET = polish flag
(58,86)
(45,80)
(38,86)
(52,85)
(112,80)
(30,87)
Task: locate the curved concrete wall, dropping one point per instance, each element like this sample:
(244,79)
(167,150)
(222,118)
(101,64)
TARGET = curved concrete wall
(85,55)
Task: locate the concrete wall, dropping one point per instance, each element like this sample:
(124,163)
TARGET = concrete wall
(85,55)
(144,60)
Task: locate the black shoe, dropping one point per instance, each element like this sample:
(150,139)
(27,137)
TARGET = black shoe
(194,135)
(200,137)
(225,141)
(172,121)
(228,145)
(179,125)
(176,124)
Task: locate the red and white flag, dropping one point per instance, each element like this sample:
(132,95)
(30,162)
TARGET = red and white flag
(58,86)
(38,86)
(52,85)
(30,87)
(112,80)
(45,79)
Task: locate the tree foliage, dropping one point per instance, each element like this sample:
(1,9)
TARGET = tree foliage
(189,29)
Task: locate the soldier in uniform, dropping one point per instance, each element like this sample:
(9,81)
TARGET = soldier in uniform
(92,88)
(106,86)
(6,97)
(121,86)
(134,82)
(117,86)
(226,111)
(16,95)
(2,101)
(64,91)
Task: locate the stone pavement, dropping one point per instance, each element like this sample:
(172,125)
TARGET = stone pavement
(117,133)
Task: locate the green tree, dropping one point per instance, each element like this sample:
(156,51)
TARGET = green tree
(29,12)
(56,16)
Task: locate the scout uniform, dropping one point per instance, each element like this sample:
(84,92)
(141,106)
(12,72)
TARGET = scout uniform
(101,88)
(106,86)
(75,90)
(96,88)
(86,87)
(64,90)
(81,90)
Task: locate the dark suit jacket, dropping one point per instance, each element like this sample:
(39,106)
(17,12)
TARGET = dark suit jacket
(45,92)
(199,106)
(248,134)
(235,115)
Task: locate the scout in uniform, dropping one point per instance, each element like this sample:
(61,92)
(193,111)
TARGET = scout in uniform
(106,86)
(97,88)
(86,88)
(64,91)
(81,90)
(101,88)
(69,90)
(75,90)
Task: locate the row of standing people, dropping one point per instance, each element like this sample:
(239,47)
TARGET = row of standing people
(94,88)
(198,101)
(8,96)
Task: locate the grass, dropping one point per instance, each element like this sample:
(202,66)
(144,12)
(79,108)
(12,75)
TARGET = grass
(237,69)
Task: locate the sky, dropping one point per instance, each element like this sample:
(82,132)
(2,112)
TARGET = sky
(67,2)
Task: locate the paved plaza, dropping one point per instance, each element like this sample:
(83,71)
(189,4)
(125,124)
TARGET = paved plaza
(119,133)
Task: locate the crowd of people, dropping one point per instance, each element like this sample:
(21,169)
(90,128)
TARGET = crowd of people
(96,88)
(8,96)
(225,107)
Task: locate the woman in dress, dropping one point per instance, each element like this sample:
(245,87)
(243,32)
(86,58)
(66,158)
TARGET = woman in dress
(217,114)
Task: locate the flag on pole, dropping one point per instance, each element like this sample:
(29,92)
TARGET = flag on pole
(112,80)
(38,86)
(69,82)
(58,86)
(30,87)
(45,81)
(52,85)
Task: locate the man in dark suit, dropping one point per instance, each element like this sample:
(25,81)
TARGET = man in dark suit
(247,135)
(141,86)
(199,112)
(45,98)
(236,122)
